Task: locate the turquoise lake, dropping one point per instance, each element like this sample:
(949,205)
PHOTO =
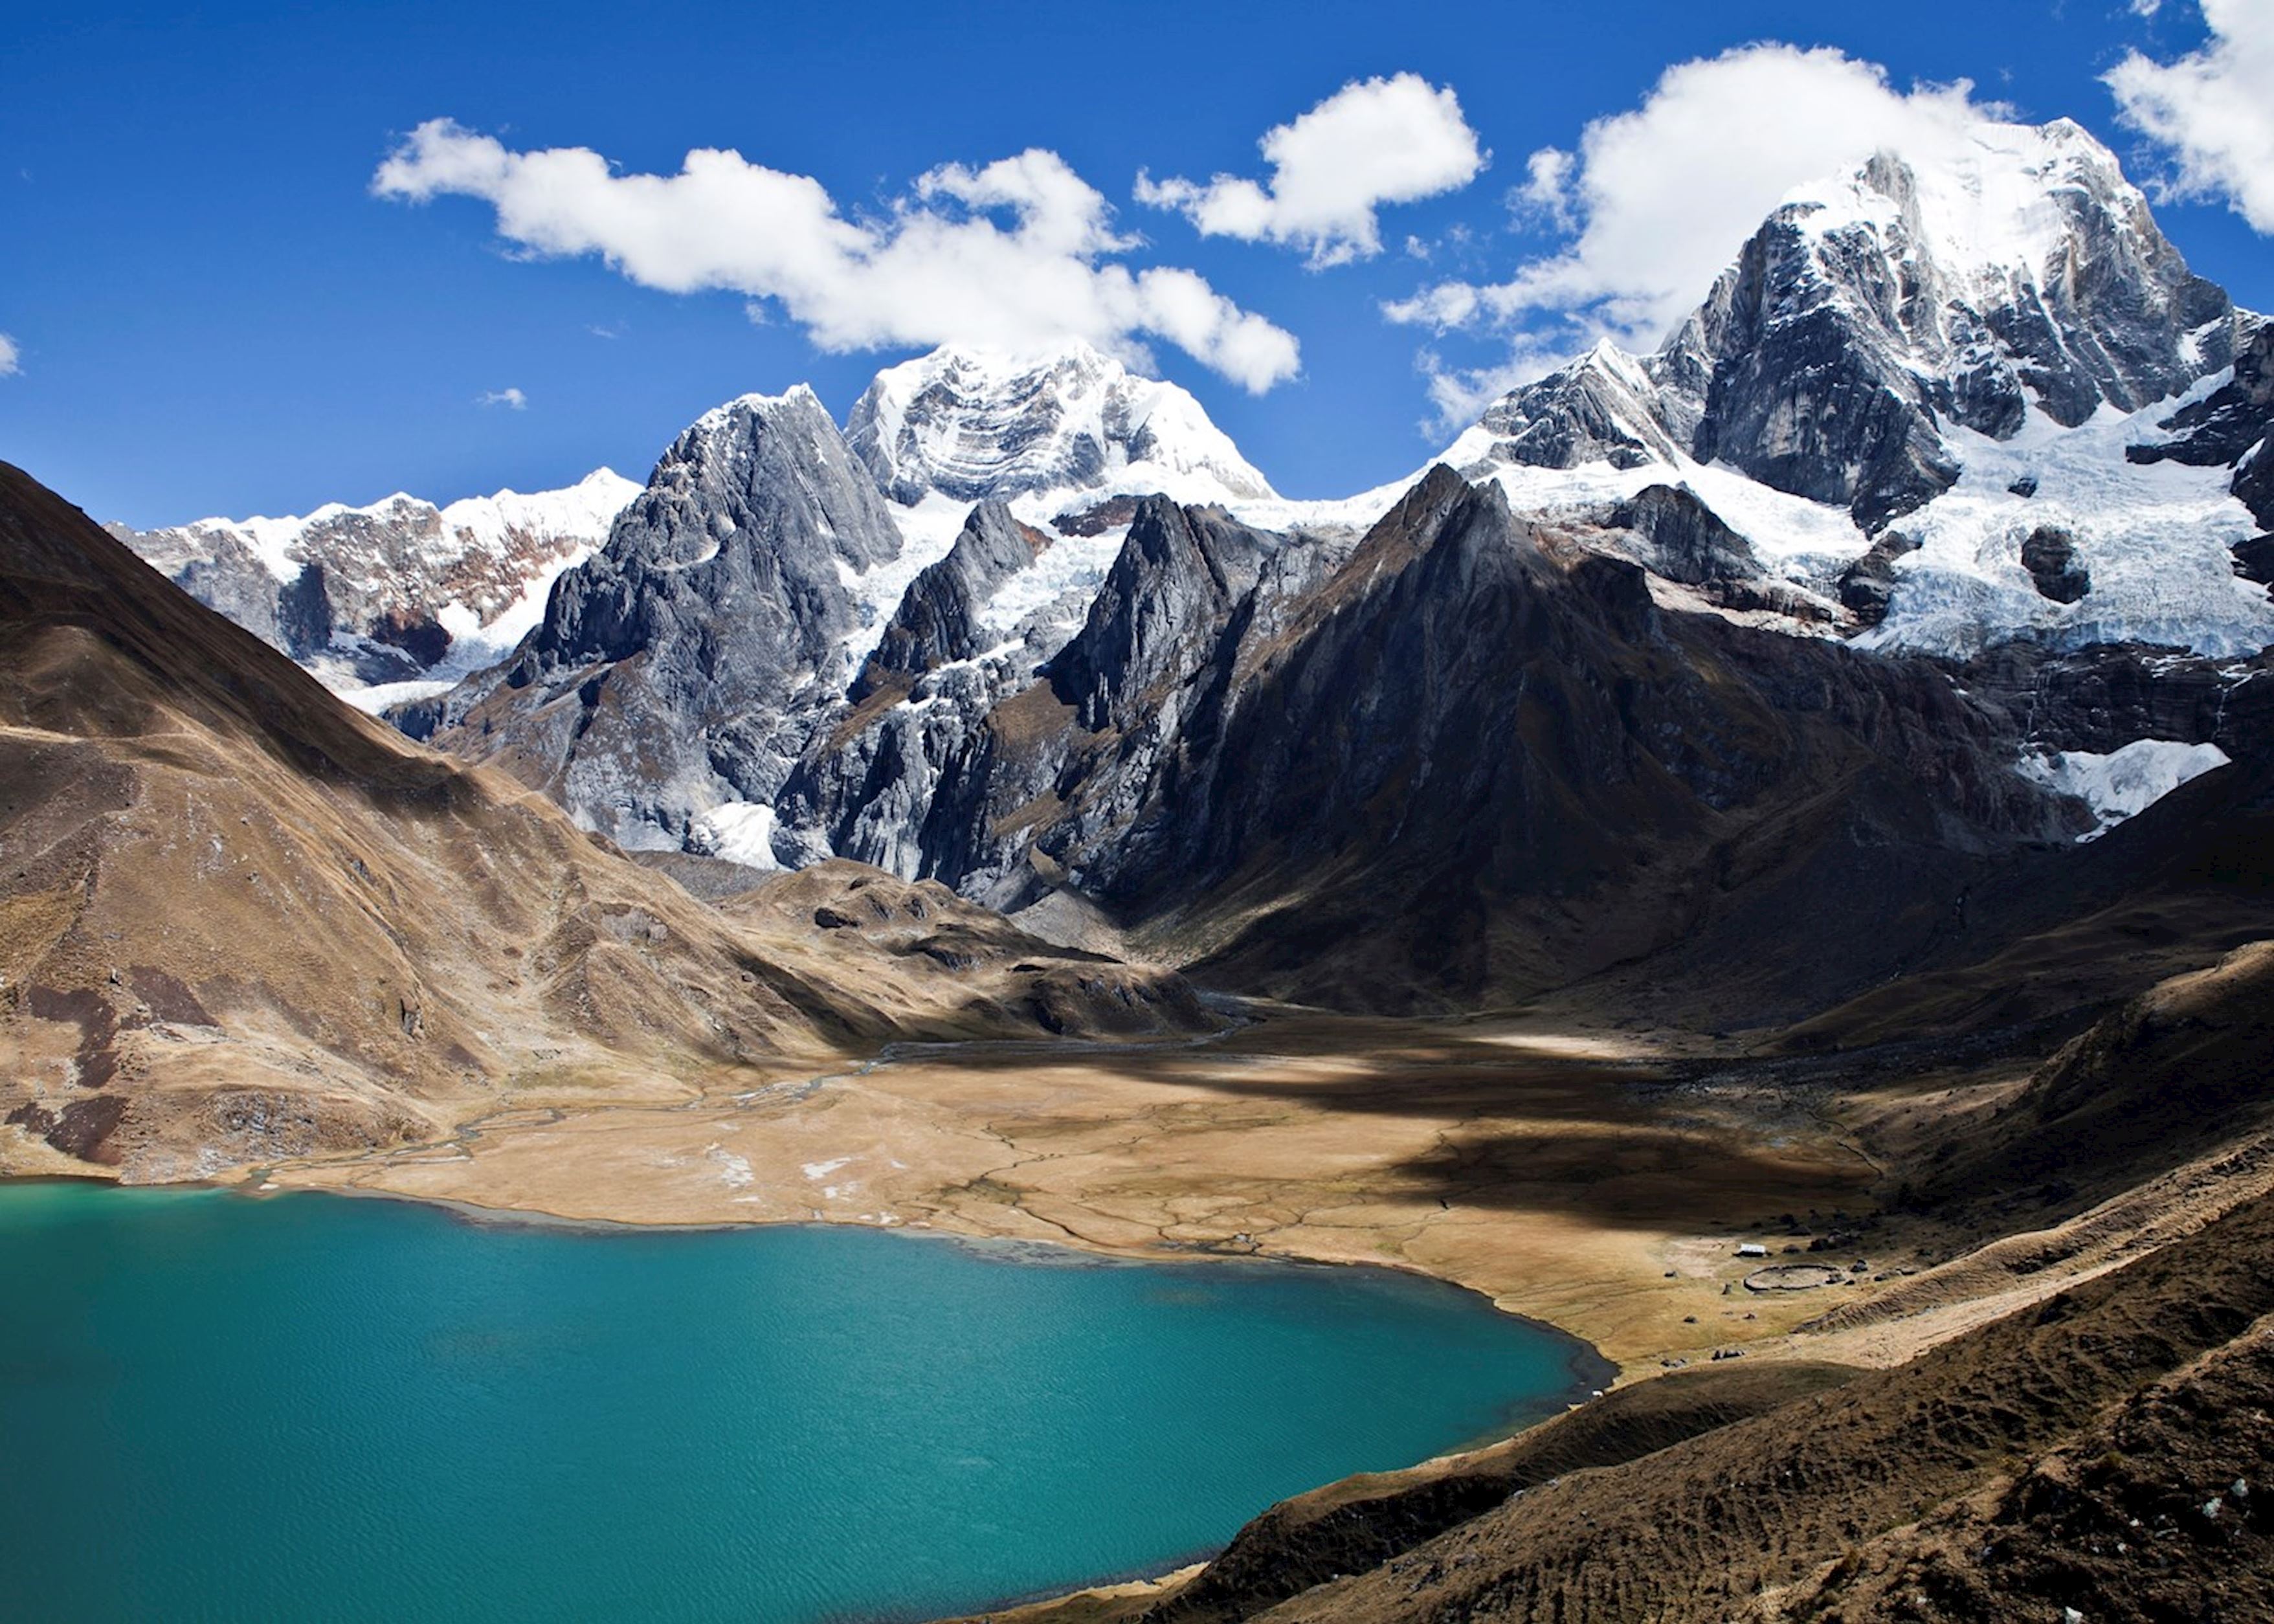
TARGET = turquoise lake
(315,1406)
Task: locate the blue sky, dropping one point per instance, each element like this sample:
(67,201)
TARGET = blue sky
(212,312)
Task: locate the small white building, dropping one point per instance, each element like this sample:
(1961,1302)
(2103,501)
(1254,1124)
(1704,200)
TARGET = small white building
(1752,1249)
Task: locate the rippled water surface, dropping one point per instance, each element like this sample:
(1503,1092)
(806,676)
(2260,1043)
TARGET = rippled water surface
(316,1407)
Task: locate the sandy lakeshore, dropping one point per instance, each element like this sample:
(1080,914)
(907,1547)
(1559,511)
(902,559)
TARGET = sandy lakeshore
(1565,1176)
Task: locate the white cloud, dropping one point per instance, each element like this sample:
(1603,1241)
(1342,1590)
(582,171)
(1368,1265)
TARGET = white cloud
(2213,110)
(1373,141)
(1656,202)
(10,357)
(513,398)
(1546,189)
(1016,254)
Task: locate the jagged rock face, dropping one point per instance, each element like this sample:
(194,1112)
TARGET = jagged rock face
(229,579)
(2101,699)
(1868,585)
(1606,407)
(682,667)
(1866,315)
(2254,483)
(1688,541)
(1451,760)
(1171,592)
(1801,397)
(382,593)
(970,424)
(2253,559)
(938,622)
(958,779)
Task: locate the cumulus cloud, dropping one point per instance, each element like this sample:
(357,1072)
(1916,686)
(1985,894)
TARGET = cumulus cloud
(1655,201)
(10,357)
(1373,141)
(1547,190)
(512,399)
(1018,254)
(2213,110)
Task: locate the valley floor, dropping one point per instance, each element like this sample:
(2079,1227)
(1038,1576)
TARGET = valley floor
(1602,1182)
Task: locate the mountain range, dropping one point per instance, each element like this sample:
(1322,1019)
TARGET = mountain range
(1943,445)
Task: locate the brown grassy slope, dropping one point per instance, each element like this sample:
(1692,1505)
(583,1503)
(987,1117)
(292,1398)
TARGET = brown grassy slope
(2164,1510)
(240,920)
(1707,1528)
(2186,1066)
(1360,1521)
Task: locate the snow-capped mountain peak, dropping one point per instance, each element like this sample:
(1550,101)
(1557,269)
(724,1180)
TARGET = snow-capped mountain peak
(1960,356)
(2018,269)
(969,423)
(394,591)
(2004,199)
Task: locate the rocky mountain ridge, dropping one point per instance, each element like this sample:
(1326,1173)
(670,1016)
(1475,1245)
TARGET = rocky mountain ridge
(1957,409)
(1960,353)
(399,591)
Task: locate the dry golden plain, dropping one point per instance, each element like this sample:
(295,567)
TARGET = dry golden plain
(1567,1177)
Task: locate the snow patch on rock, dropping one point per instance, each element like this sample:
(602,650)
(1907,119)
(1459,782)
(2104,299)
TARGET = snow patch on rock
(2125,782)
(739,832)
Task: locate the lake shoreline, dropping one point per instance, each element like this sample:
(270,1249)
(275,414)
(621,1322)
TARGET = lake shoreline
(211,1230)
(1590,1369)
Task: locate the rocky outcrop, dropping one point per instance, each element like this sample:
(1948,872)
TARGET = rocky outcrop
(938,618)
(1605,407)
(2229,427)
(2253,559)
(2103,698)
(2222,427)
(1686,540)
(1868,585)
(2253,482)
(2050,556)
(682,666)
(1677,537)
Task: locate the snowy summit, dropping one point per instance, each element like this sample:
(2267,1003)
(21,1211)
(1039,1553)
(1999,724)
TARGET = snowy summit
(970,423)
